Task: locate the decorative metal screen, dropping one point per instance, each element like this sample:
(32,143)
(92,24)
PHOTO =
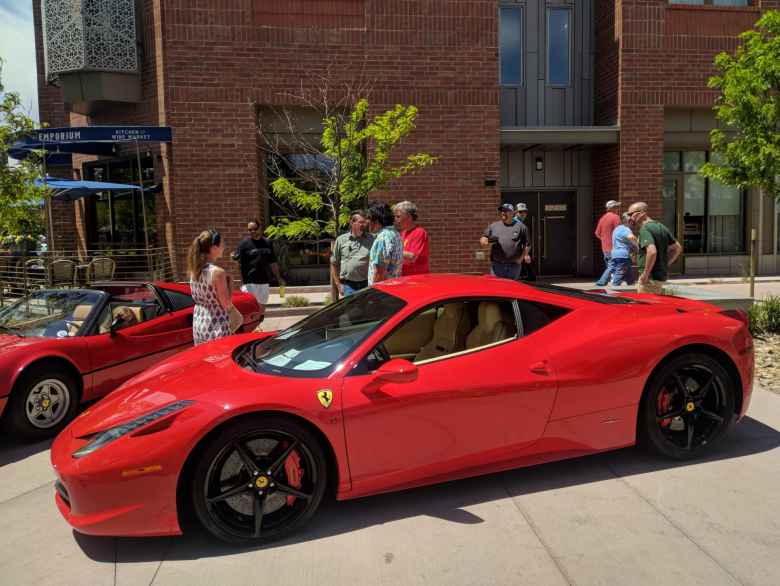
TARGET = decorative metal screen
(90,35)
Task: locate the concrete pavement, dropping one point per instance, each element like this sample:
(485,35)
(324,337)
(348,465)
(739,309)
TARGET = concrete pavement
(615,518)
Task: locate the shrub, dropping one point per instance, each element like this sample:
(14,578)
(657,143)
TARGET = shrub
(296,301)
(765,316)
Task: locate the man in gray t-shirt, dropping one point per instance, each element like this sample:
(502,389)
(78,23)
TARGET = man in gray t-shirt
(508,241)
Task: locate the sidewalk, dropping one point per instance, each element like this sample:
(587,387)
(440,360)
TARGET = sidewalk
(616,518)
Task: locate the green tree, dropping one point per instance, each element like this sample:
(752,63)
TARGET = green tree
(21,213)
(353,159)
(747,146)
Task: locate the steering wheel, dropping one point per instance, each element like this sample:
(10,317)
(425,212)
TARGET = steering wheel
(383,353)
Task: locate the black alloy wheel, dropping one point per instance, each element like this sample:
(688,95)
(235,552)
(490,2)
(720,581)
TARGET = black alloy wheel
(259,480)
(688,406)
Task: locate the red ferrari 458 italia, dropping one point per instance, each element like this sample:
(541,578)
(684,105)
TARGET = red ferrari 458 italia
(412,382)
(61,347)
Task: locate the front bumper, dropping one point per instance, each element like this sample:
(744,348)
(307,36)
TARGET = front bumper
(120,490)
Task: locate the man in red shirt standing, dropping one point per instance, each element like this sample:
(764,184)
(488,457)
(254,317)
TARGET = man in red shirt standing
(607,224)
(414,237)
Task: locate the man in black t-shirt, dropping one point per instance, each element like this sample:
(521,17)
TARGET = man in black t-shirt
(508,242)
(256,256)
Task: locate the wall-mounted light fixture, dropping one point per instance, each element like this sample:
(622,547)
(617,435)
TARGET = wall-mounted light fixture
(539,164)
(490,181)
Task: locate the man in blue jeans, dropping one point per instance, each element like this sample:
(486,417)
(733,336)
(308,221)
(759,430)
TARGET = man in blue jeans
(623,242)
(508,241)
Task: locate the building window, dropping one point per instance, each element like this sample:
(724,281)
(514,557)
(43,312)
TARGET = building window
(558,53)
(710,215)
(116,218)
(510,33)
(711,2)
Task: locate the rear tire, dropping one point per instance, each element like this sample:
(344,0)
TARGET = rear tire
(687,407)
(42,404)
(259,480)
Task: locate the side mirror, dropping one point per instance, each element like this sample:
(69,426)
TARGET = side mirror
(116,323)
(396,370)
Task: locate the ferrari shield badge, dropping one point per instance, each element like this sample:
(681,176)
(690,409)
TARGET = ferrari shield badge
(326,397)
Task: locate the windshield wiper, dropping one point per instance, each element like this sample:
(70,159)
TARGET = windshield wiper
(10,330)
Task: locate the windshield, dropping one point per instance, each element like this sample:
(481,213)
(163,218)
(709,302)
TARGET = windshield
(601,296)
(316,345)
(51,314)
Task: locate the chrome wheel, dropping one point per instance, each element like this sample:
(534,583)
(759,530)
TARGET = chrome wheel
(47,403)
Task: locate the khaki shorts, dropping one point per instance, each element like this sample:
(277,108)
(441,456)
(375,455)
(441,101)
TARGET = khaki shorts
(654,287)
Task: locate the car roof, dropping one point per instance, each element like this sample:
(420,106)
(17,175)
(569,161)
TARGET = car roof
(422,289)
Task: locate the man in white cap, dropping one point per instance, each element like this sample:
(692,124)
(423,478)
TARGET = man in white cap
(607,224)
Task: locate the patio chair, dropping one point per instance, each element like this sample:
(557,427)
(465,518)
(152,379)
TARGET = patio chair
(62,272)
(101,268)
(34,273)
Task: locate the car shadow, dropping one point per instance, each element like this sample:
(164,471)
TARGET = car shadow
(13,449)
(446,501)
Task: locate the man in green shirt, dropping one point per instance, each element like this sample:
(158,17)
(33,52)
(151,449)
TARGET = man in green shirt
(349,261)
(657,250)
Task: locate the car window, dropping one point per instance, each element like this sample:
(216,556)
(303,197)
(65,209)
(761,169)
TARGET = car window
(134,306)
(315,346)
(444,330)
(50,313)
(534,316)
(178,300)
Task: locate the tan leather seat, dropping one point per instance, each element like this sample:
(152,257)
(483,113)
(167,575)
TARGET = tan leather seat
(449,332)
(492,326)
(80,313)
(407,340)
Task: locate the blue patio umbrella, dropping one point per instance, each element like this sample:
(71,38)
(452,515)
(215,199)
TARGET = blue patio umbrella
(71,190)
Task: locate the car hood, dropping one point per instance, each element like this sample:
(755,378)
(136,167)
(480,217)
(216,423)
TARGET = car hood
(10,342)
(208,369)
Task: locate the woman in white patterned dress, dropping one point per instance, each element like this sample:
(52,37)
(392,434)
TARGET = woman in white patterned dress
(210,288)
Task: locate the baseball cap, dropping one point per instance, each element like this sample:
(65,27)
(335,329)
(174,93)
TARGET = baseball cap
(612,204)
(521,207)
(506,207)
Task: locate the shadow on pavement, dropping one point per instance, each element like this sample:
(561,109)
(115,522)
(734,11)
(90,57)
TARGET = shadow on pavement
(445,501)
(13,449)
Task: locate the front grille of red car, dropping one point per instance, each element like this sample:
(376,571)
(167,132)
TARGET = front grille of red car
(63,492)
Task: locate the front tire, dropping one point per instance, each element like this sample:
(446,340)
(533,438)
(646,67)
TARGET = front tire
(259,480)
(687,407)
(42,404)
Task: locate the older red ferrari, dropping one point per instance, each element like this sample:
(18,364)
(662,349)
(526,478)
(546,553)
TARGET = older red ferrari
(60,347)
(411,382)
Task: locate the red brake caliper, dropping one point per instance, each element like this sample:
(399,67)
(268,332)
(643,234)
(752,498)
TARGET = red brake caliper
(292,467)
(664,399)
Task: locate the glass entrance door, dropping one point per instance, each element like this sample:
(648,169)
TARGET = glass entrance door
(672,217)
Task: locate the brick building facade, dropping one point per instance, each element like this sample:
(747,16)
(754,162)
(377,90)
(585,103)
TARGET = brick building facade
(583,124)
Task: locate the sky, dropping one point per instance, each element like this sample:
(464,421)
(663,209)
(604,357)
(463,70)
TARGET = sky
(17,49)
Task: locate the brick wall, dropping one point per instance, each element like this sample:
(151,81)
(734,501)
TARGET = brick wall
(219,66)
(666,57)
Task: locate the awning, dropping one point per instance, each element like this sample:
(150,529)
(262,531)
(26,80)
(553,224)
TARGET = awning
(69,189)
(60,143)
(560,135)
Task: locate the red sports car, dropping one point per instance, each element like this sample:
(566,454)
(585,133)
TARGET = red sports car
(61,347)
(414,381)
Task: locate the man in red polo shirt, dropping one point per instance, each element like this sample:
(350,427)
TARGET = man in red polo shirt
(607,224)
(414,237)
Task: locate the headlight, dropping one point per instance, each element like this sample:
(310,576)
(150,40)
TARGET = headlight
(106,437)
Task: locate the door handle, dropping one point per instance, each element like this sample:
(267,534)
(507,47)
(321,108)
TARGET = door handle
(541,368)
